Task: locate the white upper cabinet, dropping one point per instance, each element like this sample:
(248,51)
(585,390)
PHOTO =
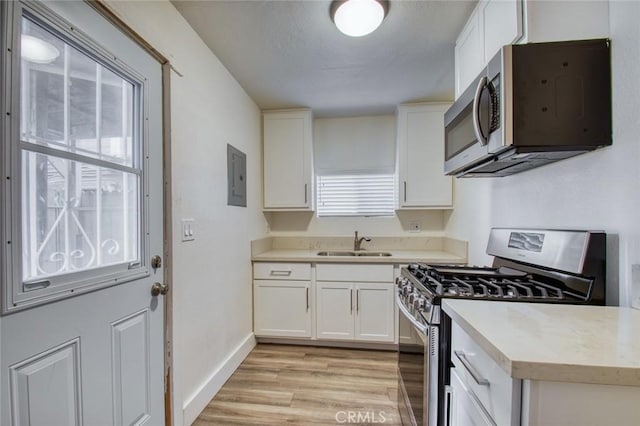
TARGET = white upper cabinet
(421,178)
(501,25)
(468,52)
(495,23)
(492,24)
(288,182)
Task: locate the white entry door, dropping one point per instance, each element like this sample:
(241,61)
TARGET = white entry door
(81,137)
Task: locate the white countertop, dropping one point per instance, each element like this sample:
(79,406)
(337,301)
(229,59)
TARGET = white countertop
(397,256)
(566,343)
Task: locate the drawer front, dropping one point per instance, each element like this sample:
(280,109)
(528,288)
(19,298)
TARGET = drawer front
(356,273)
(494,389)
(464,408)
(282,271)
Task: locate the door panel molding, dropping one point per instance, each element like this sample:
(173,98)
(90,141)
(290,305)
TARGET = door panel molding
(131,386)
(46,388)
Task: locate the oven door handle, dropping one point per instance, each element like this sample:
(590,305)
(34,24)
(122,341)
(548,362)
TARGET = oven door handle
(420,327)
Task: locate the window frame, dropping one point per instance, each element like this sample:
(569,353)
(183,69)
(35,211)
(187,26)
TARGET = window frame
(14,296)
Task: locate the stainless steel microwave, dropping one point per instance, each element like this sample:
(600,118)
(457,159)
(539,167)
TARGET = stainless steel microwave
(532,105)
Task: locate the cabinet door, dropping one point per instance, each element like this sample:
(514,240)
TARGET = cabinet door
(282,308)
(374,312)
(502,24)
(464,408)
(423,183)
(469,53)
(287,160)
(335,310)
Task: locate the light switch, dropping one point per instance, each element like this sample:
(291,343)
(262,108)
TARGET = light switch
(188,233)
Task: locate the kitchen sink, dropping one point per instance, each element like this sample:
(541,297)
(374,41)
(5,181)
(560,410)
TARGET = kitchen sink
(354,253)
(373,253)
(336,253)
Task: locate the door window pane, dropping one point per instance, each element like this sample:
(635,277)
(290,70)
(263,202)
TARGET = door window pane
(73,103)
(76,216)
(81,181)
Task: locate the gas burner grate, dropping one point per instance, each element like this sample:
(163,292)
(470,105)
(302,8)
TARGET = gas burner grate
(486,283)
(492,283)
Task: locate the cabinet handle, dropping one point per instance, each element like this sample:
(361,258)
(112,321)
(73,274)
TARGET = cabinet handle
(305,194)
(405,191)
(280,273)
(307,299)
(471,369)
(351,300)
(357,300)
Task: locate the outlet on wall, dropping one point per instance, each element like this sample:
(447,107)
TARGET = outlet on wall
(415,226)
(635,286)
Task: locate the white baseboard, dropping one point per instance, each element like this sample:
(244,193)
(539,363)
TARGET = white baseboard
(330,343)
(199,400)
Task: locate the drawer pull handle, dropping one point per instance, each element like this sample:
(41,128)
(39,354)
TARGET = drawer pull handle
(281,273)
(471,369)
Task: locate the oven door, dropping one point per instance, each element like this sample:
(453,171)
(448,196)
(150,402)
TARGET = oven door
(417,370)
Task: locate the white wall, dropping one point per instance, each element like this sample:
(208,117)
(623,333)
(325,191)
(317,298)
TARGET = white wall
(599,190)
(212,275)
(308,224)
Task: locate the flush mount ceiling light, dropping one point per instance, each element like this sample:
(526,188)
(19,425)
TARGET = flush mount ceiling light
(34,49)
(357,18)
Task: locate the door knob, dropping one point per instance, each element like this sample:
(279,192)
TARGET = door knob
(158,288)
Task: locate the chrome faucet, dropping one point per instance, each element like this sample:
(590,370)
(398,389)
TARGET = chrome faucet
(357,242)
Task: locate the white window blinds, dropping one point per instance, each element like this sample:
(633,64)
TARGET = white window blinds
(355,195)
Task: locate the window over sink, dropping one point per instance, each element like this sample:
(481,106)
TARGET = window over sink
(355,195)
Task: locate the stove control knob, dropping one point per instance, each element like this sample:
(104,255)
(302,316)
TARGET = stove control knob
(420,303)
(414,296)
(407,290)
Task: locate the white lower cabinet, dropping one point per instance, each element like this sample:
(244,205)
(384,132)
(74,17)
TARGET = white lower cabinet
(357,309)
(282,300)
(374,312)
(482,393)
(282,309)
(334,310)
(346,302)
(464,407)
(480,388)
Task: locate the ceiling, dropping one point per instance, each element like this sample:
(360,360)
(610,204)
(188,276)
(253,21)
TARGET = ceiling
(289,53)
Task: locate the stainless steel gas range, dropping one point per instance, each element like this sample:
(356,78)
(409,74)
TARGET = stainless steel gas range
(530,265)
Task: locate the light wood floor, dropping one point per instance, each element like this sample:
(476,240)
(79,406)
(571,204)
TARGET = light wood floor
(300,385)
